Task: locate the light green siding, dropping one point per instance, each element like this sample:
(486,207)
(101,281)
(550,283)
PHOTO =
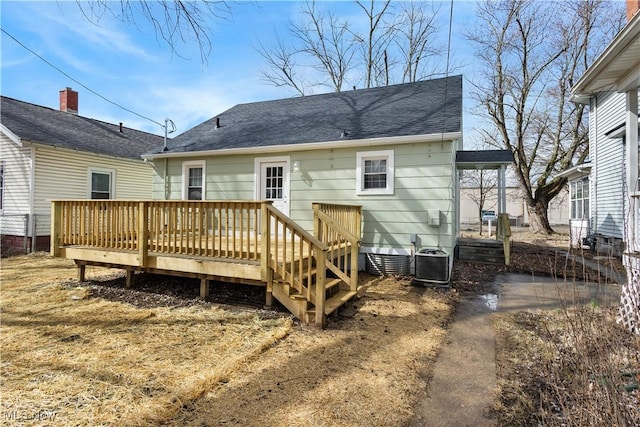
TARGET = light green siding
(424,180)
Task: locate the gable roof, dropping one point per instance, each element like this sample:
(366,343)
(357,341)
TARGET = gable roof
(42,125)
(423,108)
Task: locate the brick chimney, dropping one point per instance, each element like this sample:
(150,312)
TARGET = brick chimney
(632,8)
(69,100)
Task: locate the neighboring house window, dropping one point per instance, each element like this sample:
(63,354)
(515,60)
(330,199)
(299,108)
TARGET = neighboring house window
(1,185)
(580,199)
(374,172)
(101,182)
(193,177)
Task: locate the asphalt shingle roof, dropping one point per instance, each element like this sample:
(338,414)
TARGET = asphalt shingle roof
(421,108)
(47,126)
(484,156)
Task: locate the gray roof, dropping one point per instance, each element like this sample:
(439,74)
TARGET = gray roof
(422,108)
(47,126)
(483,159)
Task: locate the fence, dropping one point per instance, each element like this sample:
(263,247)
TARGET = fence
(24,233)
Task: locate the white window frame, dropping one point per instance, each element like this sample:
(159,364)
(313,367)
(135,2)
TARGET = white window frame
(586,196)
(363,156)
(193,164)
(103,171)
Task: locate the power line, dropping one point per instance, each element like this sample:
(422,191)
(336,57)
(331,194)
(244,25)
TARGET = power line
(78,82)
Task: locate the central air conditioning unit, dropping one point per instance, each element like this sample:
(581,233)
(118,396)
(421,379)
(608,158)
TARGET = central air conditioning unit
(432,266)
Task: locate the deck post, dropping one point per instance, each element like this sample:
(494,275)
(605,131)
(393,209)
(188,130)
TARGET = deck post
(143,234)
(204,287)
(56,217)
(316,220)
(81,272)
(266,273)
(321,280)
(130,278)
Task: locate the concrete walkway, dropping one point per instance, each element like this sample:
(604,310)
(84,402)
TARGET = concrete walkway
(463,386)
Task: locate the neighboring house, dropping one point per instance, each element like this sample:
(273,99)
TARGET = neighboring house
(610,88)
(48,154)
(390,149)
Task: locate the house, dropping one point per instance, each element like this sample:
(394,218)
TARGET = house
(391,150)
(610,87)
(47,154)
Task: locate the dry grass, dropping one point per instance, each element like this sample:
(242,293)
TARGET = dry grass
(570,367)
(72,359)
(369,369)
(81,361)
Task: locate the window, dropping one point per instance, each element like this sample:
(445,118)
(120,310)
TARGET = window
(580,199)
(1,184)
(374,172)
(101,184)
(193,177)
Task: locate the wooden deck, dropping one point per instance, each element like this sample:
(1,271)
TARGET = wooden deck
(310,274)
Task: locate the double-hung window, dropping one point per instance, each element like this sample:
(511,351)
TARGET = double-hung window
(374,172)
(101,183)
(580,199)
(193,177)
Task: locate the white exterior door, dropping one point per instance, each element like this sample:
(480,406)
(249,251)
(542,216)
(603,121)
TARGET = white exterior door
(274,183)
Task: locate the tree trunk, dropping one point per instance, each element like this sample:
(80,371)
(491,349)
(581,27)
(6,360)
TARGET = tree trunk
(538,219)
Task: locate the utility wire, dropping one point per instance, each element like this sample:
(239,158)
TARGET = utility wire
(80,83)
(446,75)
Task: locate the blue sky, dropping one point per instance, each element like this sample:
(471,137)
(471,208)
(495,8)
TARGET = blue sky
(127,65)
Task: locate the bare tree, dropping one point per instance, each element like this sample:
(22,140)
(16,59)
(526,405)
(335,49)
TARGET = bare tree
(374,44)
(415,31)
(172,21)
(281,68)
(323,48)
(327,40)
(481,184)
(531,54)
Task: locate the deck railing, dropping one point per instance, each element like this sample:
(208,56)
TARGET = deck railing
(251,231)
(339,227)
(228,229)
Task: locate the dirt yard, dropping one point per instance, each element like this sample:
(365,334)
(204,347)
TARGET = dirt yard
(97,353)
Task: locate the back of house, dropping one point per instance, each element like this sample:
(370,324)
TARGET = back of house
(389,149)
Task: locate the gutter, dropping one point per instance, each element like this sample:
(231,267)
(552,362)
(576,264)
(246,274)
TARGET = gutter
(369,142)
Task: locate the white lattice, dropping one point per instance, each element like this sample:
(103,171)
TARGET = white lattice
(629,310)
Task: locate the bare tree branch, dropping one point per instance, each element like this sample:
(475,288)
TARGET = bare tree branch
(172,21)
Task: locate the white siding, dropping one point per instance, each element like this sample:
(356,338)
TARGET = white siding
(424,179)
(608,172)
(63,174)
(17,181)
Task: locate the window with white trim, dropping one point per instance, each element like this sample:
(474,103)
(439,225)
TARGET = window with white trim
(193,178)
(1,184)
(580,199)
(374,172)
(101,184)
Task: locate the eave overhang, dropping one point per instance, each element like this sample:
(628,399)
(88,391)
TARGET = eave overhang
(369,142)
